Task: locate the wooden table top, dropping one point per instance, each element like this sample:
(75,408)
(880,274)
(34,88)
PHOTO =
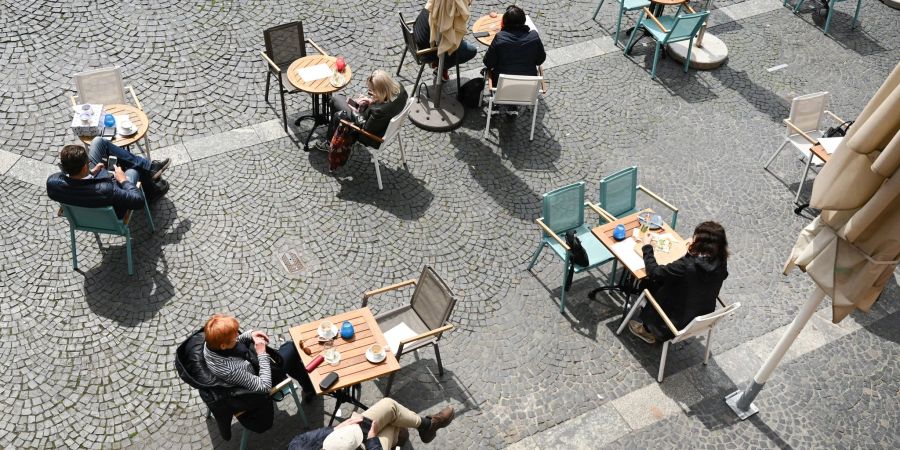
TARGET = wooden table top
(489,24)
(605,234)
(321,86)
(138,118)
(353,367)
(668,2)
(820,152)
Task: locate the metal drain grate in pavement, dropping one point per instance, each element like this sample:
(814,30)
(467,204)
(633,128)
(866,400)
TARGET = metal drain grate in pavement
(291,262)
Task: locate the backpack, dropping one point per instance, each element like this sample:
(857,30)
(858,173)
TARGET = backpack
(470,92)
(578,256)
(840,130)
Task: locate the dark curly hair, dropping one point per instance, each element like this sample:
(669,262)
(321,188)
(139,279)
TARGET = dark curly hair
(709,240)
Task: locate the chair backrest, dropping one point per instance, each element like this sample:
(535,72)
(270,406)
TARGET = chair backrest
(618,192)
(285,43)
(563,208)
(100,86)
(517,89)
(807,111)
(410,40)
(97,220)
(397,122)
(685,27)
(432,299)
(702,324)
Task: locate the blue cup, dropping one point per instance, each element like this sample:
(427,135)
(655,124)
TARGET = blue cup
(347,330)
(619,232)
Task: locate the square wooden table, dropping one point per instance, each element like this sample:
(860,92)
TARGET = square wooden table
(353,367)
(605,234)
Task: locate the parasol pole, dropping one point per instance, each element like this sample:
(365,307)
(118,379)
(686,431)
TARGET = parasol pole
(436,97)
(436,111)
(741,402)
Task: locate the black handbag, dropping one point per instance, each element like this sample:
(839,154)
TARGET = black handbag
(840,130)
(577,255)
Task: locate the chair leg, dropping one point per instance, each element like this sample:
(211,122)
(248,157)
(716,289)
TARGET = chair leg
(634,34)
(147,210)
(774,155)
(402,155)
(596,11)
(299,406)
(458,87)
(562,294)
(830,15)
(208,412)
(619,24)
(245,436)
(537,252)
(674,218)
(655,60)
(147,147)
(662,361)
(128,253)
(708,343)
(74,251)
(612,275)
(387,389)
(283,107)
(637,304)
(797,6)
(803,179)
(855,21)
(487,124)
(268,81)
(402,58)
(533,119)
(437,354)
(377,170)
(687,61)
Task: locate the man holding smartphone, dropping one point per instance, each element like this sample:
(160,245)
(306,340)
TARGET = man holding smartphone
(85,180)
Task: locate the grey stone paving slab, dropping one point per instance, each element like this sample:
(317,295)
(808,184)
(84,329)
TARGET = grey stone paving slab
(220,143)
(31,171)
(269,130)
(178,153)
(598,427)
(7,160)
(655,402)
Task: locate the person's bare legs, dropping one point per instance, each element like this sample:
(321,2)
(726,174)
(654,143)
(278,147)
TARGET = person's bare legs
(389,416)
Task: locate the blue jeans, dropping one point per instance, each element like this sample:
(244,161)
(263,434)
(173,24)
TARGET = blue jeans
(135,167)
(465,52)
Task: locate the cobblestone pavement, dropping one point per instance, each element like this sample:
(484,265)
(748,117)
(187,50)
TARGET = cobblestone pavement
(93,350)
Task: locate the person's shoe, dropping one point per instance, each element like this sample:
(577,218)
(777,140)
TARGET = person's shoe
(636,328)
(438,421)
(162,186)
(512,112)
(158,167)
(445,75)
(402,437)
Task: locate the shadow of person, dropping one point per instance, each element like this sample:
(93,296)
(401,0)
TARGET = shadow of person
(131,299)
(419,387)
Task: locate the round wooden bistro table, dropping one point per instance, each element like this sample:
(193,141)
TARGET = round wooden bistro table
(138,118)
(488,24)
(320,89)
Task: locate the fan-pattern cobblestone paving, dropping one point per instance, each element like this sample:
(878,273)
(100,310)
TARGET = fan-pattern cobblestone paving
(90,354)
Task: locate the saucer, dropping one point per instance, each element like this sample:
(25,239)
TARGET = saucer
(126,131)
(337,80)
(375,359)
(337,359)
(334,332)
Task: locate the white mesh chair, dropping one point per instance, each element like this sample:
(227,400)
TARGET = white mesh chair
(105,87)
(700,325)
(392,132)
(517,90)
(804,128)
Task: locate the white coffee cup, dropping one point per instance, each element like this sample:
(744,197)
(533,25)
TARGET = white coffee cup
(377,350)
(326,328)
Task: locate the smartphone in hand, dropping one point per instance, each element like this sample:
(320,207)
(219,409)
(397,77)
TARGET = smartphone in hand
(111,164)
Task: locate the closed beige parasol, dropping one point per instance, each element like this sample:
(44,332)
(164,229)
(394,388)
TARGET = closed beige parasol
(448,21)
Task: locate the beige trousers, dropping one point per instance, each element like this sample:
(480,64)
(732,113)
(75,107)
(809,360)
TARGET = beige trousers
(389,416)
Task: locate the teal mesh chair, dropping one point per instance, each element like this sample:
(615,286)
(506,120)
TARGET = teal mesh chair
(829,6)
(101,220)
(563,210)
(669,29)
(624,6)
(618,195)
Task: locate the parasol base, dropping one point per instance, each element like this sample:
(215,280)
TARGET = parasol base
(713,54)
(444,118)
(732,401)
(892,3)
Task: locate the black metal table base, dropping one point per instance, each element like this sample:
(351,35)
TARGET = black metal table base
(347,395)
(657,11)
(627,285)
(321,115)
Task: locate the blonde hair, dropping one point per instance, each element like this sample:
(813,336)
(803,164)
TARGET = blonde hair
(219,330)
(383,87)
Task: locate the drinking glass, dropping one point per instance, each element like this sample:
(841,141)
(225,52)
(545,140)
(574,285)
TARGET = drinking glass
(329,352)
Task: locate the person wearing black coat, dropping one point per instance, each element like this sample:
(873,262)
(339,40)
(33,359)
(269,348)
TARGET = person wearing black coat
(516,49)
(386,99)
(686,288)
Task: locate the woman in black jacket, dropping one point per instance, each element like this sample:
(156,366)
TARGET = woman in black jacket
(686,288)
(516,49)
(386,99)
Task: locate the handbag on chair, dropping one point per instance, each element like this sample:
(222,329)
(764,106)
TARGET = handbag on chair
(341,145)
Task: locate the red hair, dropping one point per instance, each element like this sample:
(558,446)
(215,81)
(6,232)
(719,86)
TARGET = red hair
(219,331)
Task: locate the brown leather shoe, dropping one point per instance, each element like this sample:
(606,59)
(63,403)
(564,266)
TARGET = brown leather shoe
(438,421)
(403,437)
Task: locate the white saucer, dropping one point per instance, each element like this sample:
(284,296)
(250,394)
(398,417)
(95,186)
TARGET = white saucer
(375,359)
(334,332)
(336,361)
(126,132)
(337,80)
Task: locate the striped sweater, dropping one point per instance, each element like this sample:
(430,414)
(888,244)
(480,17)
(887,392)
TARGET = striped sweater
(239,371)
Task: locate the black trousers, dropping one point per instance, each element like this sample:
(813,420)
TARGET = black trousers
(293,367)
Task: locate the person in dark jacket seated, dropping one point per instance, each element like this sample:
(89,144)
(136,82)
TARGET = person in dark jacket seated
(229,357)
(386,99)
(516,49)
(85,181)
(383,426)
(422,33)
(686,288)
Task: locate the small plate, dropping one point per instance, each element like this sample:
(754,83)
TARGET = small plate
(375,359)
(334,332)
(126,132)
(337,80)
(337,361)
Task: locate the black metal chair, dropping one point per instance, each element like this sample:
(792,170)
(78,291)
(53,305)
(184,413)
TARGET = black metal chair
(284,45)
(417,54)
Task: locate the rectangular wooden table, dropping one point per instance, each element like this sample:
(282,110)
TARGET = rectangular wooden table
(605,234)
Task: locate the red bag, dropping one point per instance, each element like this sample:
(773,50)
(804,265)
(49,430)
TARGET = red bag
(341,146)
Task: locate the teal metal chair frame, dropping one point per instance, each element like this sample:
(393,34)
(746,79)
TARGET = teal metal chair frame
(277,393)
(624,6)
(101,220)
(604,204)
(551,231)
(663,32)
(830,5)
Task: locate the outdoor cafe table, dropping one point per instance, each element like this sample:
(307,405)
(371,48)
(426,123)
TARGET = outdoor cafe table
(353,367)
(491,25)
(320,89)
(627,252)
(137,117)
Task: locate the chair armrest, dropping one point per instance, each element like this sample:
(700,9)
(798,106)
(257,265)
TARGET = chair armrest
(134,97)
(543,80)
(429,334)
(72,98)
(316,46)
(271,63)
(688,6)
(392,287)
(802,133)
(365,133)
(601,212)
(648,13)
(658,198)
(426,51)
(547,230)
(833,116)
(280,386)
(661,312)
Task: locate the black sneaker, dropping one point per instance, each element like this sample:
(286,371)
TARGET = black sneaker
(158,167)
(512,112)
(162,186)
